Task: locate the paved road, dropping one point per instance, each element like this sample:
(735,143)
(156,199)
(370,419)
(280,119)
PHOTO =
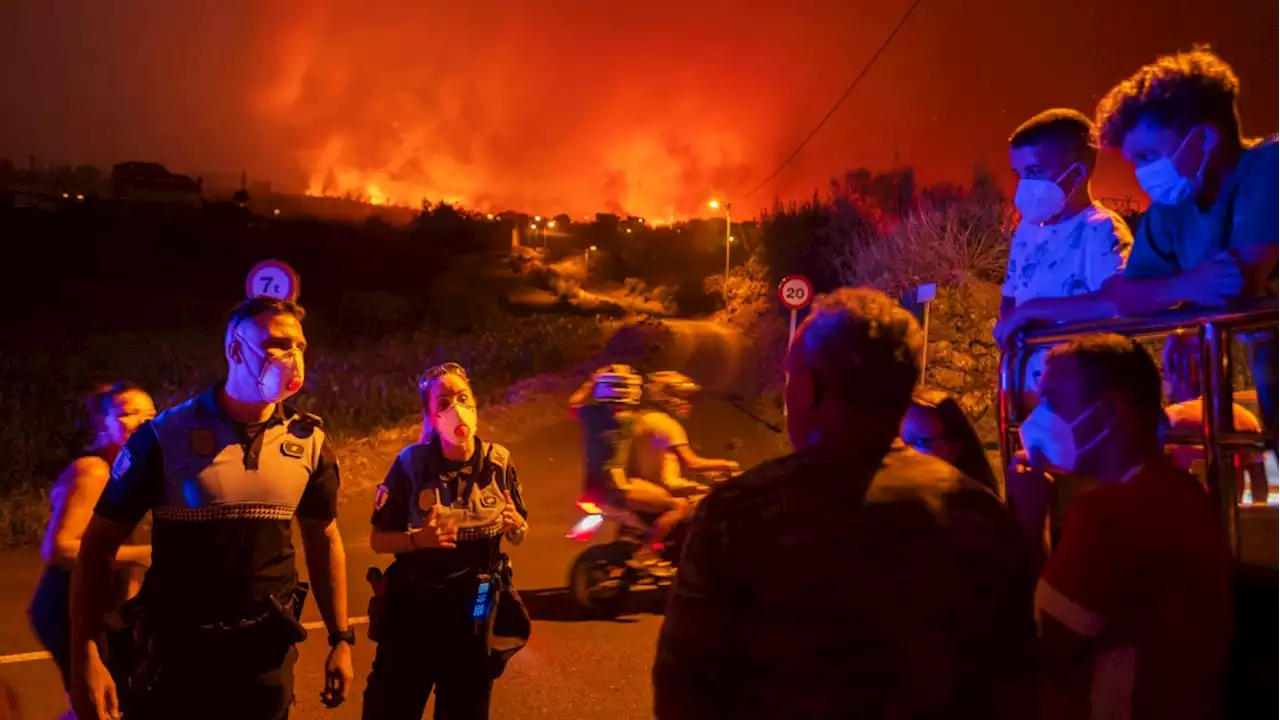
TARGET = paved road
(572,668)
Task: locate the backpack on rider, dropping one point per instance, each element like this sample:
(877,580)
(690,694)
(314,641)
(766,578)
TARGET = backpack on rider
(605,407)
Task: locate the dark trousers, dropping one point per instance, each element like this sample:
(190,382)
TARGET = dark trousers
(430,646)
(1263,350)
(237,675)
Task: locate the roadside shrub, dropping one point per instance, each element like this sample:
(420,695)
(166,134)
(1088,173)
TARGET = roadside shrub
(957,244)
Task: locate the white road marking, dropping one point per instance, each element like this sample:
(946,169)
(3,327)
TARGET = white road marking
(42,655)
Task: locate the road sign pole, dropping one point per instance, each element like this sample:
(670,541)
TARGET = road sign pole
(795,293)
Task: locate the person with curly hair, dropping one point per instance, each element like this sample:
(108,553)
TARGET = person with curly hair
(1210,234)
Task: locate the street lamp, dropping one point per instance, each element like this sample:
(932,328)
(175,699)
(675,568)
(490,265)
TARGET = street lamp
(587,259)
(728,238)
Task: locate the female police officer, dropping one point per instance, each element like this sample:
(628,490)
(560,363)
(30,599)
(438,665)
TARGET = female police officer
(443,510)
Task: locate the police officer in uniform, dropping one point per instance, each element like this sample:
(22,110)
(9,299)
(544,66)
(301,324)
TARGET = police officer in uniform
(224,474)
(443,510)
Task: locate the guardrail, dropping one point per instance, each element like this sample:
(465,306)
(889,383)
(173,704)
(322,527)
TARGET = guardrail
(1213,328)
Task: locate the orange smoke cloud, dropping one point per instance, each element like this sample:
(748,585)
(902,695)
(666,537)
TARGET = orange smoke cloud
(488,105)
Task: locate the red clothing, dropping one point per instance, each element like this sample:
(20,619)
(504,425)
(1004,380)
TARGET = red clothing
(1143,570)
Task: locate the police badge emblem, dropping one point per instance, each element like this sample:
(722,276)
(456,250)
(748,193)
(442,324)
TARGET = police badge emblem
(380,497)
(202,442)
(292,449)
(489,501)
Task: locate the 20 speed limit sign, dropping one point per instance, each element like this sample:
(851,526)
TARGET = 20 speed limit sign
(795,292)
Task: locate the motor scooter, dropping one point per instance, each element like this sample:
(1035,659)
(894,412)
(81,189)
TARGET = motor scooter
(600,578)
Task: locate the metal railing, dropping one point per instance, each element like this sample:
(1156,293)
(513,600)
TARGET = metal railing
(1218,433)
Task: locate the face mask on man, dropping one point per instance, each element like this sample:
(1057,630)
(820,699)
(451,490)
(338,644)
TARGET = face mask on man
(457,424)
(1046,432)
(1039,200)
(1164,184)
(279,376)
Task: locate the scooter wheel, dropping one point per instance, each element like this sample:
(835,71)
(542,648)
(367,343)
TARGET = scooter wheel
(600,581)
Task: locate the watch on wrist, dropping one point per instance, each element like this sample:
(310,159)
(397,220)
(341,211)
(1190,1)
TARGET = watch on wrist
(347,636)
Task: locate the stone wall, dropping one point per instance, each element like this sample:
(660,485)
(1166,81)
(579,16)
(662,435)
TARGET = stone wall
(963,359)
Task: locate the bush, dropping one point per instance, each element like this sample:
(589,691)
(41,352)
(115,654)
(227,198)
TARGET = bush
(957,244)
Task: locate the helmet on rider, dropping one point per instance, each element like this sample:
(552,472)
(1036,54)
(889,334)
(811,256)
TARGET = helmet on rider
(670,392)
(617,384)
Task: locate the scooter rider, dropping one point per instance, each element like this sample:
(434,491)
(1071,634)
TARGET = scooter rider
(605,406)
(661,455)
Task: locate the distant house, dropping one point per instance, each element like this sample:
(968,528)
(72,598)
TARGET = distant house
(152,182)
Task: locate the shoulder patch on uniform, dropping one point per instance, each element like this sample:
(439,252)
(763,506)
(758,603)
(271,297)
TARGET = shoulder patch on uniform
(499,454)
(292,448)
(122,462)
(202,441)
(380,497)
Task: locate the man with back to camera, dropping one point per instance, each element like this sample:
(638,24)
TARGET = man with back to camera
(224,474)
(1210,236)
(1066,245)
(855,577)
(1134,604)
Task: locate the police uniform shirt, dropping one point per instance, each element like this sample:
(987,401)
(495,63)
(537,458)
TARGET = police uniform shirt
(222,495)
(471,495)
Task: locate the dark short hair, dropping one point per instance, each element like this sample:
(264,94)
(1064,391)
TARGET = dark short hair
(1176,91)
(1114,364)
(97,405)
(255,307)
(1071,128)
(866,349)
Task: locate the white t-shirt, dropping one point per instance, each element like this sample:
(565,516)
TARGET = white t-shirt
(1073,257)
(655,436)
(1070,258)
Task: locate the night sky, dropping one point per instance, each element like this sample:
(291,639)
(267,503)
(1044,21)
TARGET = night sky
(646,107)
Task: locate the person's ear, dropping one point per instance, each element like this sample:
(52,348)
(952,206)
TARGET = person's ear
(235,350)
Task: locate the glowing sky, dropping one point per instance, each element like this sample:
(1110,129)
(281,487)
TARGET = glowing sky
(646,107)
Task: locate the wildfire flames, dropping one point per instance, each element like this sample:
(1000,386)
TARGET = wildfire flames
(490,106)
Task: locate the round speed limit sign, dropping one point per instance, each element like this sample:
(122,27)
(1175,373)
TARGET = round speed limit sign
(272,278)
(795,292)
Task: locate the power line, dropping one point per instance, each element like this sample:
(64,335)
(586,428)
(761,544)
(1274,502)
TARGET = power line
(836,106)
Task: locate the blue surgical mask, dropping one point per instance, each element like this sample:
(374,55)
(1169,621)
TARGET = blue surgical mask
(1039,200)
(1164,184)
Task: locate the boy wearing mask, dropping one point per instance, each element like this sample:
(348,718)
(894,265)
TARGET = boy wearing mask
(1066,244)
(1210,234)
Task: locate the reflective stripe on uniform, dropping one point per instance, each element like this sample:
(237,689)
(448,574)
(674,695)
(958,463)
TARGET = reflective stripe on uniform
(226,511)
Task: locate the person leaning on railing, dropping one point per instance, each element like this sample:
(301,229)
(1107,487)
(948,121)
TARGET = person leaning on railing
(1210,235)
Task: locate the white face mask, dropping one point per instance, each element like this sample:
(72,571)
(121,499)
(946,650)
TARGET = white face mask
(457,424)
(1045,431)
(279,376)
(1039,200)
(1164,184)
